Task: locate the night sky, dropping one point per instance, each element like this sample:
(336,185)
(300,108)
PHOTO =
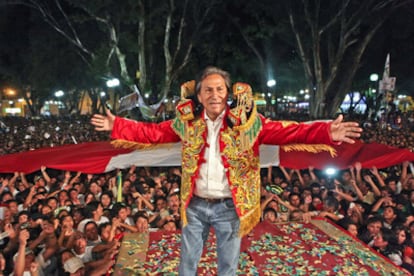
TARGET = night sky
(396,38)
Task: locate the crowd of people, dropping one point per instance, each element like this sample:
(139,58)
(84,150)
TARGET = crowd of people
(59,222)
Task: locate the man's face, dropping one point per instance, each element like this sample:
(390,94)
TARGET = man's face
(73,194)
(63,196)
(388,213)
(47,227)
(41,182)
(80,245)
(270,217)
(106,200)
(346,176)
(174,203)
(213,95)
(13,208)
(160,204)
(23,218)
(94,188)
(142,224)
(122,214)
(392,185)
(295,200)
(374,228)
(170,226)
(106,233)
(91,232)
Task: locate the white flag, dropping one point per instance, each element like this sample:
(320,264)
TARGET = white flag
(387,83)
(128,102)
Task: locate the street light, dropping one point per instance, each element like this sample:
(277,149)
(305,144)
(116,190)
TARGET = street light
(373,77)
(59,93)
(270,84)
(373,92)
(112,82)
(10,92)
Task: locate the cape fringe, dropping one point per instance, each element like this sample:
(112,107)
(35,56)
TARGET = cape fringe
(250,121)
(312,148)
(183,212)
(249,130)
(249,221)
(124,144)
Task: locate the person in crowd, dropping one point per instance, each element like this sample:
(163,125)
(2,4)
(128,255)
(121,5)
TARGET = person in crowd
(74,196)
(47,243)
(95,189)
(370,230)
(81,249)
(94,212)
(391,217)
(121,219)
(72,264)
(160,210)
(270,201)
(91,233)
(25,260)
(169,225)
(107,232)
(350,226)
(270,215)
(78,214)
(17,185)
(67,230)
(329,209)
(141,222)
(2,264)
(172,212)
(386,243)
(106,200)
(143,200)
(207,112)
(75,266)
(62,197)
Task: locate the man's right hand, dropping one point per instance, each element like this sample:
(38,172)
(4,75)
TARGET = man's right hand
(103,122)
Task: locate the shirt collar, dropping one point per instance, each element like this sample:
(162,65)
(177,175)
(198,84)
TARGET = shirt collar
(219,117)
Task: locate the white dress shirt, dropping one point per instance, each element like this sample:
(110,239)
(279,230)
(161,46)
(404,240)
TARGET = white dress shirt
(212,181)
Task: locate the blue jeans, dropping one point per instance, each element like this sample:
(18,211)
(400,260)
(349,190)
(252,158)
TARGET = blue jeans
(223,218)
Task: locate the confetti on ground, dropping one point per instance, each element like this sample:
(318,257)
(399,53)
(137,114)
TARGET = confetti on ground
(317,248)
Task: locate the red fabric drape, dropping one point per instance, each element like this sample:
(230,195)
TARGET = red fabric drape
(369,155)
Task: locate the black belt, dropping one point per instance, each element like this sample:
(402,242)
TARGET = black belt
(212,200)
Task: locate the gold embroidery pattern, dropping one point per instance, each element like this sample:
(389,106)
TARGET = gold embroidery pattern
(191,134)
(244,179)
(193,146)
(288,123)
(312,148)
(244,168)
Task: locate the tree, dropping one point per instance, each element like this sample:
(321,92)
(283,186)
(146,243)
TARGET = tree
(331,38)
(126,37)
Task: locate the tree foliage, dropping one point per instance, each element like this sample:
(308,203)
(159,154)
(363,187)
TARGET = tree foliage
(331,38)
(156,45)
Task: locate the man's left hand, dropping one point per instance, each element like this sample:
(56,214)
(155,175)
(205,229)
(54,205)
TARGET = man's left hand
(345,131)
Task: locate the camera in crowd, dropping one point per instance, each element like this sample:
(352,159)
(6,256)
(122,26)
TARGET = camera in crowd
(24,226)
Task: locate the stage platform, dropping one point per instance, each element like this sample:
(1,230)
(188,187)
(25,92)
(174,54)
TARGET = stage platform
(316,248)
